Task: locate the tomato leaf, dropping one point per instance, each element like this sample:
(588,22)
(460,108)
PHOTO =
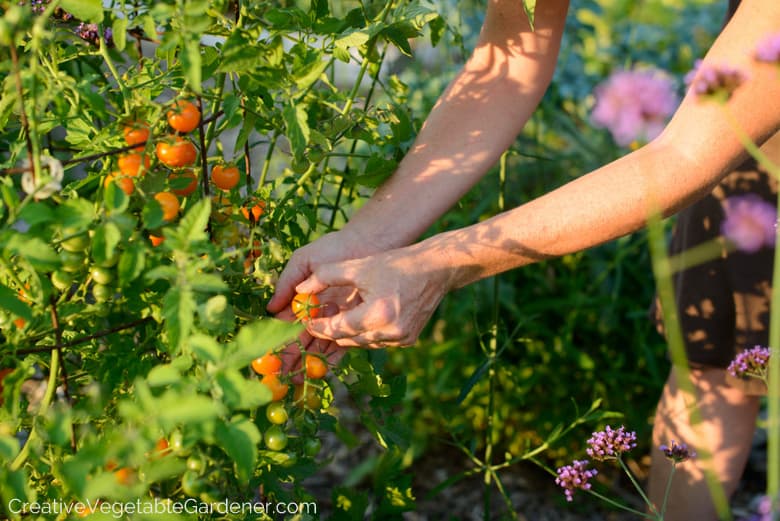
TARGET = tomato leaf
(11,303)
(192,226)
(105,242)
(529,6)
(36,213)
(257,338)
(88,10)
(239,439)
(178,309)
(240,393)
(38,253)
(115,199)
(131,263)
(297,128)
(119,33)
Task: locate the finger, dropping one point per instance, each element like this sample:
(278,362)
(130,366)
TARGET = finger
(293,273)
(326,275)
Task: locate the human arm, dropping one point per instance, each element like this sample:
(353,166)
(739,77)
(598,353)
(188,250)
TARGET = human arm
(400,288)
(474,121)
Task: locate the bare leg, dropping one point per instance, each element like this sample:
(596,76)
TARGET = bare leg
(729,419)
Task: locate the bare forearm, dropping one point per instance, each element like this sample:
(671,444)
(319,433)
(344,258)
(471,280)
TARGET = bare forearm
(474,121)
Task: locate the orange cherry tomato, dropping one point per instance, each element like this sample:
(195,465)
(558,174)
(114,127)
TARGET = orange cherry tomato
(189,188)
(254,213)
(156,240)
(225,177)
(277,387)
(136,133)
(184,116)
(269,363)
(307,396)
(316,367)
(176,152)
(123,476)
(170,205)
(133,164)
(306,306)
(123,182)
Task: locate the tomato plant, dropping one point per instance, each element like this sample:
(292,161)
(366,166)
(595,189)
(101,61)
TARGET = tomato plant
(136,133)
(225,177)
(184,116)
(316,367)
(176,151)
(269,363)
(169,203)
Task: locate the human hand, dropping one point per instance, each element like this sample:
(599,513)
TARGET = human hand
(396,294)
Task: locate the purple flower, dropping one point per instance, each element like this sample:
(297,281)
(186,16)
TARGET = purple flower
(751,362)
(677,452)
(768,49)
(750,222)
(610,443)
(574,476)
(91,34)
(714,81)
(634,105)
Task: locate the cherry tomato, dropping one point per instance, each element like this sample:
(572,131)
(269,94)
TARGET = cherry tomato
(136,133)
(195,464)
(191,484)
(62,280)
(156,240)
(254,213)
(102,293)
(124,183)
(101,275)
(124,476)
(75,244)
(133,164)
(275,438)
(269,363)
(175,151)
(277,387)
(309,399)
(306,306)
(178,179)
(184,116)
(225,177)
(162,447)
(169,203)
(20,323)
(276,413)
(312,446)
(72,262)
(316,367)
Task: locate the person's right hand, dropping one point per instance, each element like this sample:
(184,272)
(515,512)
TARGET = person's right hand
(332,247)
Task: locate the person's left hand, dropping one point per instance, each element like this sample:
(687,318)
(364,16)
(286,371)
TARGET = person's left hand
(397,292)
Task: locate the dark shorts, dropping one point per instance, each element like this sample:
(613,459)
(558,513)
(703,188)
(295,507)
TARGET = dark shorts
(723,304)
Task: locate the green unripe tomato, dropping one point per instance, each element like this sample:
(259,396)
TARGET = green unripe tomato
(110,262)
(312,446)
(72,262)
(62,280)
(102,293)
(276,413)
(275,438)
(102,275)
(191,484)
(77,243)
(195,464)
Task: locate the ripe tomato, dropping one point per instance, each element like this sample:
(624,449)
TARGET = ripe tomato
(20,322)
(307,396)
(124,476)
(276,413)
(225,177)
(184,116)
(275,438)
(306,306)
(254,213)
(156,240)
(178,178)
(175,151)
(169,203)
(136,133)
(278,389)
(316,367)
(133,164)
(269,363)
(162,446)
(124,183)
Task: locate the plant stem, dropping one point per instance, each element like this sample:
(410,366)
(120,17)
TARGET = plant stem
(637,487)
(773,389)
(668,489)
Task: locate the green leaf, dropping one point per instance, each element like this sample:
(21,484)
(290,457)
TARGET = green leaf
(297,128)
(192,226)
(87,10)
(174,408)
(178,309)
(239,392)
(9,447)
(353,39)
(105,242)
(209,283)
(239,439)
(205,347)
(75,213)
(257,338)
(131,263)
(119,30)
(36,213)
(192,62)
(163,375)
(305,77)
(115,199)
(38,253)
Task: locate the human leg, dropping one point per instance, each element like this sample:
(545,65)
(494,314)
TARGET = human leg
(726,431)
